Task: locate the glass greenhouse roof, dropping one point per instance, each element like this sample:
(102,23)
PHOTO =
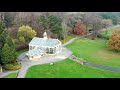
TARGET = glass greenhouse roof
(35,52)
(44,42)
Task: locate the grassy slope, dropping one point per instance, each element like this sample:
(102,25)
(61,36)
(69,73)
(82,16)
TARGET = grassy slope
(67,39)
(95,51)
(68,69)
(11,75)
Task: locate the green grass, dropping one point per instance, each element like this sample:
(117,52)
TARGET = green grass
(68,69)
(67,39)
(20,52)
(95,51)
(11,75)
(108,32)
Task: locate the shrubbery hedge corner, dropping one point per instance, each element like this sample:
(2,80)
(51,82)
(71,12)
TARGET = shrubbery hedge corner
(15,66)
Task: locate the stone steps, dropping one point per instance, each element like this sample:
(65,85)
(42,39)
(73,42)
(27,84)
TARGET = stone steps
(79,60)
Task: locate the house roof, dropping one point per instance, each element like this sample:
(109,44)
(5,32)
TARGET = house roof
(44,42)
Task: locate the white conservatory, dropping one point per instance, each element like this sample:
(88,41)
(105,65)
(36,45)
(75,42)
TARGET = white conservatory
(41,46)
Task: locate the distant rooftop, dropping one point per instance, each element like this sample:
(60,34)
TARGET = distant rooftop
(44,42)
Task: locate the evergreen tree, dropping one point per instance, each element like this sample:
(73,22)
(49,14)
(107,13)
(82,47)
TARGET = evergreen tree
(10,42)
(2,26)
(51,23)
(7,54)
(55,23)
(3,34)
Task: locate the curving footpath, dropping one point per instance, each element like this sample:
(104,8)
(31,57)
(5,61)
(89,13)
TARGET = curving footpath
(102,67)
(84,62)
(4,73)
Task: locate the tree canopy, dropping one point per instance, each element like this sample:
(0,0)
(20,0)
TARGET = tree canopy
(26,32)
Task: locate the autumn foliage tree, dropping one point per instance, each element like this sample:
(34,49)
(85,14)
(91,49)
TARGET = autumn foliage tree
(114,41)
(27,32)
(80,29)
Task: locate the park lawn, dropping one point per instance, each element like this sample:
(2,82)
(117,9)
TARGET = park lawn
(21,51)
(108,32)
(11,75)
(67,38)
(68,69)
(95,51)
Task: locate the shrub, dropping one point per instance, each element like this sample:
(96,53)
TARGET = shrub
(104,35)
(14,66)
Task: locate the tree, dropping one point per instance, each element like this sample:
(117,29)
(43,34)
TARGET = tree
(72,20)
(55,23)
(114,41)
(64,31)
(10,42)
(114,16)
(51,23)
(22,39)
(2,26)
(7,55)
(27,32)
(3,36)
(106,23)
(45,22)
(9,18)
(80,29)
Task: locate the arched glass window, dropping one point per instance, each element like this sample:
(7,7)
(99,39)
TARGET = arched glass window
(30,47)
(47,50)
(51,50)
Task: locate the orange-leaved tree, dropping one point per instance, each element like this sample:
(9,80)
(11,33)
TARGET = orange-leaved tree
(80,29)
(114,40)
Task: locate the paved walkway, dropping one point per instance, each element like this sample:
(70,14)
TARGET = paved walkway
(47,59)
(4,73)
(102,67)
(83,62)
(73,39)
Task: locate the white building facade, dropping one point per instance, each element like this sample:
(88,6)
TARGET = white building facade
(39,47)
